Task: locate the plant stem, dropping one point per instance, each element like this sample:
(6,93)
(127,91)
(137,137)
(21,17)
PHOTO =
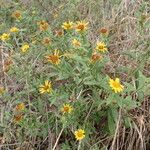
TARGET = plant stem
(79,145)
(58,139)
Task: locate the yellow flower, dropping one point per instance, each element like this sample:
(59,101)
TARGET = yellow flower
(54,58)
(46,41)
(66,108)
(101,46)
(43,25)
(81,26)
(95,57)
(20,107)
(5,36)
(16,14)
(14,29)
(18,118)
(2,90)
(25,47)
(115,85)
(79,134)
(46,87)
(76,43)
(67,25)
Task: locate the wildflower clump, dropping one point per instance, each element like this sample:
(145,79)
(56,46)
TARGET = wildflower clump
(55,85)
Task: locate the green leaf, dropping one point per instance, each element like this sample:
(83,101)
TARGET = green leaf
(129,87)
(112,118)
(128,103)
(127,122)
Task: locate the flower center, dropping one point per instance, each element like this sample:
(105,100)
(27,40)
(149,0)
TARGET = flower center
(68,26)
(47,41)
(17,15)
(54,58)
(66,109)
(116,85)
(81,27)
(42,23)
(46,87)
(101,47)
(80,134)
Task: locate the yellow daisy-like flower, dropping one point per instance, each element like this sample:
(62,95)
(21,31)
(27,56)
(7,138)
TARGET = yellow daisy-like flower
(14,29)
(67,25)
(24,48)
(66,108)
(81,26)
(76,43)
(20,107)
(46,41)
(5,36)
(2,90)
(43,25)
(101,46)
(79,134)
(16,14)
(46,87)
(116,85)
(54,58)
